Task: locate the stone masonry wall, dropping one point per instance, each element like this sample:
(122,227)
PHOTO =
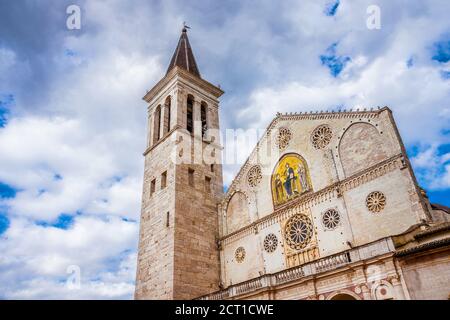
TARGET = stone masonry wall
(428,276)
(156,242)
(196,261)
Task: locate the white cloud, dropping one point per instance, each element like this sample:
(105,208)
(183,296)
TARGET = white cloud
(417,106)
(34,255)
(38,149)
(418,95)
(77,149)
(7,59)
(433,167)
(88,126)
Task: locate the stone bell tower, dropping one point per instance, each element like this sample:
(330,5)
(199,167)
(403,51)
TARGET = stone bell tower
(178,256)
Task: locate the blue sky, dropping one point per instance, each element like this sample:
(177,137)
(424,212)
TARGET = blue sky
(72,122)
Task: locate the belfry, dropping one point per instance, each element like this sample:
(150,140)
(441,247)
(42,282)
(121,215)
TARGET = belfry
(178,256)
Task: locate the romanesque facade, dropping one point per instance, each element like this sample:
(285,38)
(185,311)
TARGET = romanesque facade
(325,207)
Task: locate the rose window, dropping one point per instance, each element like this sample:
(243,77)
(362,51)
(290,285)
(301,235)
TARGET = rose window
(376,201)
(270,243)
(283,138)
(298,231)
(240,254)
(331,219)
(321,136)
(254,176)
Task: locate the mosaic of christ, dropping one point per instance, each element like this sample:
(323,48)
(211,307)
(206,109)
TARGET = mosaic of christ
(290,179)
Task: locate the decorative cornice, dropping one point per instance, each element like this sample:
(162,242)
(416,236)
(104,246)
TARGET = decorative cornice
(167,135)
(163,138)
(347,259)
(371,113)
(430,245)
(309,200)
(433,230)
(177,71)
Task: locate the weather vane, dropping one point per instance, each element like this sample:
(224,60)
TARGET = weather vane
(185,26)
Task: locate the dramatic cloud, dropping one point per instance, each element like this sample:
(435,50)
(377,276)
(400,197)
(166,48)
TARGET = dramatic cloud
(40,258)
(73,125)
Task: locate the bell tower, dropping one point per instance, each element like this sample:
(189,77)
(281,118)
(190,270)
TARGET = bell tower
(178,256)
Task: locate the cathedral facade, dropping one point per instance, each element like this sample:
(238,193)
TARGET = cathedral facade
(325,207)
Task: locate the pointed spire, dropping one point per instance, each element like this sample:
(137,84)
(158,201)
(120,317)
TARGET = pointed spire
(183,56)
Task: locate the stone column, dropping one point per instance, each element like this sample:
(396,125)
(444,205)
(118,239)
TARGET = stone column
(209,117)
(180,108)
(398,289)
(173,109)
(213,116)
(197,141)
(150,129)
(165,117)
(155,125)
(366,292)
(161,121)
(197,119)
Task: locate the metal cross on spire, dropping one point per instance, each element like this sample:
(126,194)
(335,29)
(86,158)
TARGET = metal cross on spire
(185,26)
